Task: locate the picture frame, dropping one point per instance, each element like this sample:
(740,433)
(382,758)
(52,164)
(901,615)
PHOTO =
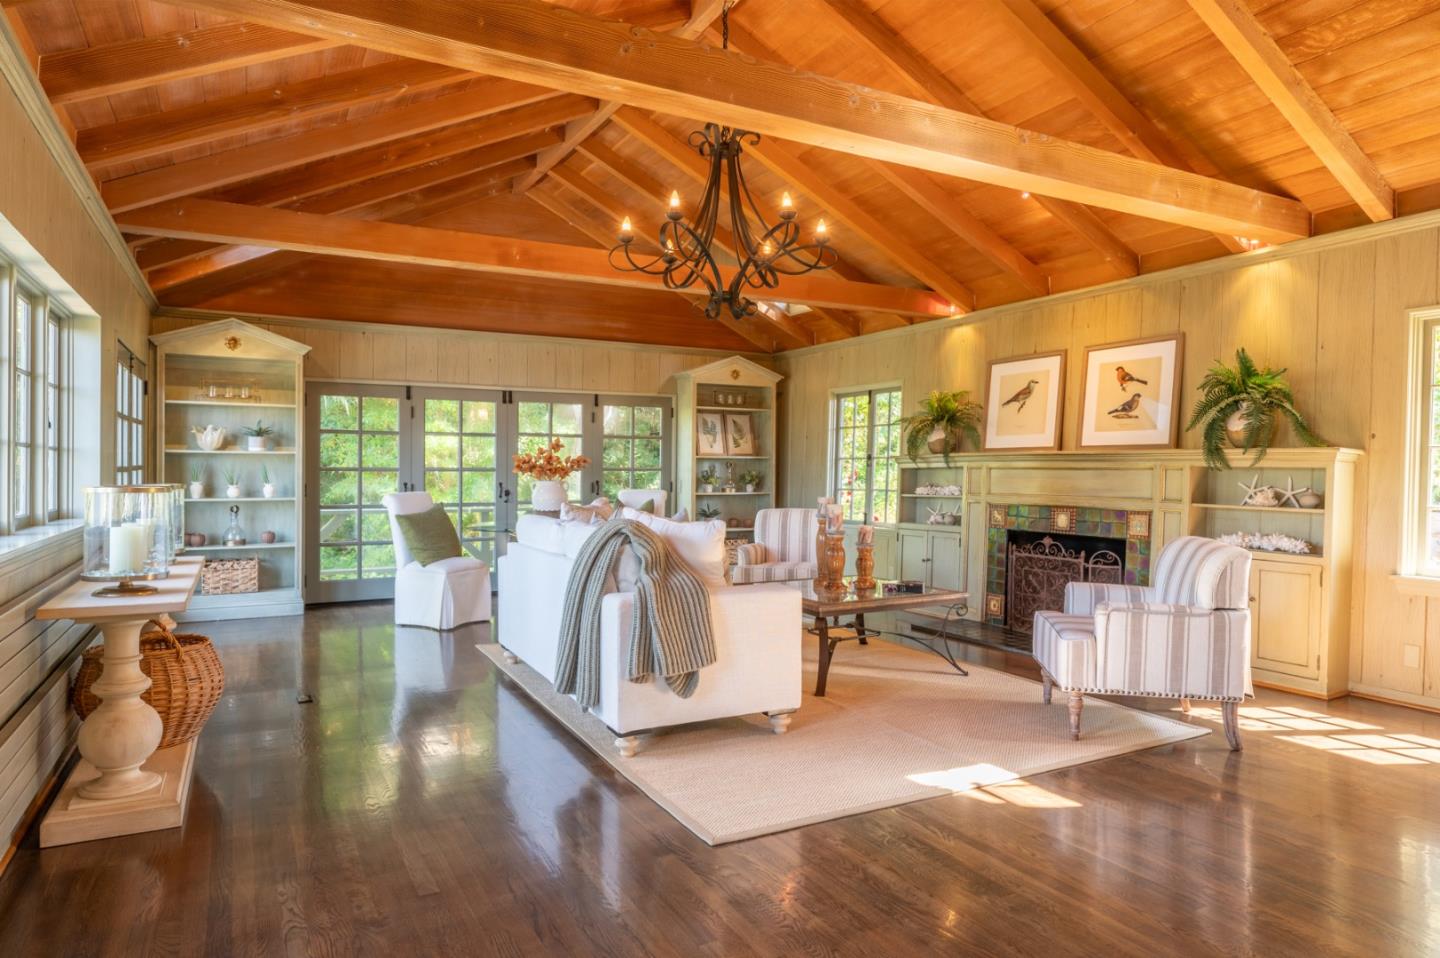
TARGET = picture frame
(1130,393)
(1025,402)
(710,434)
(740,434)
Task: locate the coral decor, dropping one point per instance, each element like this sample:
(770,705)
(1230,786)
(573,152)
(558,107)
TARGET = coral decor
(546,464)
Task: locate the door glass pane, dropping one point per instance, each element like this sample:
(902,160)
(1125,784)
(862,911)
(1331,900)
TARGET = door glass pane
(631,455)
(459,456)
(540,424)
(359,460)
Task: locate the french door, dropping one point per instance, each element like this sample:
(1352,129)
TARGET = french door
(458,445)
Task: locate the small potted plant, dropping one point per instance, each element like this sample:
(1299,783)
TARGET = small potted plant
(267,488)
(232,483)
(257,437)
(549,470)
(1243,405)
(751,479)
(197,482)
(708,475)
(944,421)
(708,512)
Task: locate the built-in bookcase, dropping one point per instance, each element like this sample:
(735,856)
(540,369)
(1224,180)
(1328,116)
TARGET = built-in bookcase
(234,375)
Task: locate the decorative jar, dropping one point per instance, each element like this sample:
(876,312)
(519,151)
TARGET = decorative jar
(548,495)
(127,537)
(234,534)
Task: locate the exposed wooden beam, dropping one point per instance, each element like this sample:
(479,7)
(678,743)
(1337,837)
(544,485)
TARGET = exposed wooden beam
(360,205)
(74,75)
(247,162)
(1069,64)
(219,222)
(702,14)
(928,83)
(452,151)
(1249,43)
(155,134)
(787,165)
(536,42)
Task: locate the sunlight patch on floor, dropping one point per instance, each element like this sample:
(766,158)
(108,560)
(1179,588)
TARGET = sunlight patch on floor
(1347,737)
(993,785)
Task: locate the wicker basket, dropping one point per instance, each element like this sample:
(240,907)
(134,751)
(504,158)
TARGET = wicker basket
(229,576)
(186,680)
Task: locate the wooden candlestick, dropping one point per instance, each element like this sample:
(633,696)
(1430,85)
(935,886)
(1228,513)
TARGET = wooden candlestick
(864,567)
(834,564)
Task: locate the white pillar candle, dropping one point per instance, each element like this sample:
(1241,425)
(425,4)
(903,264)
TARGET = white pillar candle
(127,549)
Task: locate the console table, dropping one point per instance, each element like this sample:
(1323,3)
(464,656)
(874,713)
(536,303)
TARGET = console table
(122,785)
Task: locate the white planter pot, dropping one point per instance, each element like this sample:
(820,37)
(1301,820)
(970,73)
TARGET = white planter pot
(750,487)
(548,496)
(257,443)
(197,490)
(707,488)
(232,492)
(268,490)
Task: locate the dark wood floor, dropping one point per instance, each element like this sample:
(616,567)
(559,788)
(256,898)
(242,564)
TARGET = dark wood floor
(422,805)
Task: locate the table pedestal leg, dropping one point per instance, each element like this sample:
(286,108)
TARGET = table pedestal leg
(124,730)
(822,670)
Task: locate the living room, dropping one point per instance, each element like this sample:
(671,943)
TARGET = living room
(692,476)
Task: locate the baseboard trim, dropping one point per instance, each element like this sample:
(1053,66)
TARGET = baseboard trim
(1306,693)
(1395,698)
(42,798)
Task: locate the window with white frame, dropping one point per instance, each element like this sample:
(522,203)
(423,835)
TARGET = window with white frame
(865,443)
(1422,533)
(36,461)
(129,418)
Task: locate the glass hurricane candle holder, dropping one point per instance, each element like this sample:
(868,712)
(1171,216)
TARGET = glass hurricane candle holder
(127,538)
(177,515)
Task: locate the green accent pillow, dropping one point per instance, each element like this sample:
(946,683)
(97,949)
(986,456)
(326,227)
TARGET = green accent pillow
(648,506)
(430,535)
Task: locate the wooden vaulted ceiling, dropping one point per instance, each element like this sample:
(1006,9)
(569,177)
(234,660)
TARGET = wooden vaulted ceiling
(465,164)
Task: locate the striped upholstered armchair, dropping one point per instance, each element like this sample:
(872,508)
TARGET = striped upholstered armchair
(783,550)
(1185,637)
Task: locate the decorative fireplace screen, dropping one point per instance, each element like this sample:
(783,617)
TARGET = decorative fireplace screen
(1039,571)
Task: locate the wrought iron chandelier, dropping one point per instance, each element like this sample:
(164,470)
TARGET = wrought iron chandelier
(764,252)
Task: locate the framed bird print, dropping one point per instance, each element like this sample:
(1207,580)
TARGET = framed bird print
(1024,396)
(1131,393)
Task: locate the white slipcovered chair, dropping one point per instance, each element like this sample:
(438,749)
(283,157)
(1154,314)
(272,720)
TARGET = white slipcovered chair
(636,499)
(441,595)
(783,550)
(1185,637)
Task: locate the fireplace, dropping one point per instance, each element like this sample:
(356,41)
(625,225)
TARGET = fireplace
(1040,564)
(1055,545)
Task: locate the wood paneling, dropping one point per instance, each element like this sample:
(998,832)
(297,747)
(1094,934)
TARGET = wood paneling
(1335,317)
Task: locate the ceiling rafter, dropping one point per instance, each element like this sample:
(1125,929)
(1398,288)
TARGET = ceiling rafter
(1105,101)
(72,76)
(702,14)
(233,223)
(545,194)
(535,42)
(247,162)
(1249,43)
(929,83)
(155,134)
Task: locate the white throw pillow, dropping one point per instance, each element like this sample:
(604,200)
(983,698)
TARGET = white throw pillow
(541,532)
(682,516)
(700,545)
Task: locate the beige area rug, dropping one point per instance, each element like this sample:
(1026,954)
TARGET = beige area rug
(896,726)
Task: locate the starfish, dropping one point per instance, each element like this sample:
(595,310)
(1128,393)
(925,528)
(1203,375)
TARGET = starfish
(1250,489)
(1288,494)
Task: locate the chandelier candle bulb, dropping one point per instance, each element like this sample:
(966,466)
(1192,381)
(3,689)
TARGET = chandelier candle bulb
(627,232)
(821,236)
(787,207)
(674,211)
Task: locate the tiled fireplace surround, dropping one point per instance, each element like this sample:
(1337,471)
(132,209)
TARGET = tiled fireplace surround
(1132,526)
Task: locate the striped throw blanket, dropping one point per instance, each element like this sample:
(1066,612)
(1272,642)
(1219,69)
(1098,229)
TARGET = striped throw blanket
(670,633)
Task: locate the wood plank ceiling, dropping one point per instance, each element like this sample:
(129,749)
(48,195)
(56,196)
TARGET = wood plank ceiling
(465,164)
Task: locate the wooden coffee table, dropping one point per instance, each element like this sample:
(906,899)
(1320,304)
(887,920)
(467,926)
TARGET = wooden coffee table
(824,606)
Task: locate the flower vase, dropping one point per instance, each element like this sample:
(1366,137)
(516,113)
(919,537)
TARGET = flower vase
(834,564)
(864,568)
(548,496)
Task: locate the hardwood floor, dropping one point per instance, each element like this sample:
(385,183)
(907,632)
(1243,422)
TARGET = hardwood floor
(422,805)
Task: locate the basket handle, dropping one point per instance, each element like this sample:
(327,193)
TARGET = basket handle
(161,631)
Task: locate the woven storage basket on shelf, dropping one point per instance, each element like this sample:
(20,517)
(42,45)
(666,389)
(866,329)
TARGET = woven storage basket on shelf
(186,680)
(230,576)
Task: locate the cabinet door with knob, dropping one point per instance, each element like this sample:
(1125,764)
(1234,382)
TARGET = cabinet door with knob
(947,561)
(1285,611)
(914,555)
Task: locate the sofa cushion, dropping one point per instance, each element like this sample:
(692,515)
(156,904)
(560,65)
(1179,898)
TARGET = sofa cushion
(700,545)
(545,533)
(573,536)
(429,535)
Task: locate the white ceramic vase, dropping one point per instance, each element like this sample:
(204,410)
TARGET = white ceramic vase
(548,496)
(197,490)
(268,490)
(232,492)
(210,438)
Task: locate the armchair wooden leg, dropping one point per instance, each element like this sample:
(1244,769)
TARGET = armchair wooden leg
(1046,685)
(1185,706)
(1077,702)
(510,657)
(1231,713)
(627,744)
(779,721)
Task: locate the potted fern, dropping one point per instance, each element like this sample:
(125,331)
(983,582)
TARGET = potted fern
(1243,405)
(944,421)
(257,437)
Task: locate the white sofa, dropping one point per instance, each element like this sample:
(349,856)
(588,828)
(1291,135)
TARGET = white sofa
(757,633)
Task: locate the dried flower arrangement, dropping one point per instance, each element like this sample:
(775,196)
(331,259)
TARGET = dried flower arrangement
(546,463)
